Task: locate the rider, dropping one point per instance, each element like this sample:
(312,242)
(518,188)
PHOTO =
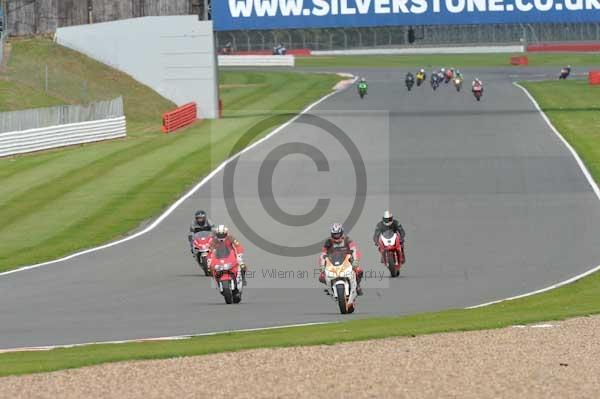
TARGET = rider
(362,83)
(459,75)
(409,77)
(449,73)
(388,223)
(340,240)
(435,77)
(222,237)
(477,84)
(421,74)
(201,223)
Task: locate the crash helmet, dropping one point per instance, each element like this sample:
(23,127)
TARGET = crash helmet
(221,232)
(452,69)
(443,70)
(422,70)
(363,79)
(387,218)
(200,217)
(337,232)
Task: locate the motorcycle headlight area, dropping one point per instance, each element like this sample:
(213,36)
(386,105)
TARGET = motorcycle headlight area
(224,267)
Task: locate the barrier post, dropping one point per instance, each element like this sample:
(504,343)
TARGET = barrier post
(594,77)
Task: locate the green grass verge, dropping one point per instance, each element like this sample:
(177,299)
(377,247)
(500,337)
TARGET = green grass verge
(567,103)
(574,108)
(447,60)
(80,197)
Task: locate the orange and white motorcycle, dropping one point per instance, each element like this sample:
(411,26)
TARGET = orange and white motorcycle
(340,280)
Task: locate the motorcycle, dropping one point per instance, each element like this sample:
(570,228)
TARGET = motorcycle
(362,90)
(201,244)
(564,73)
(225,267)
(458,83)
(392,254)
(478,92)
(410,83)
(340,280)
(448,77)
(435,83)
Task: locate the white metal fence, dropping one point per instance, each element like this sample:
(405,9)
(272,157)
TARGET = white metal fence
(256,60)
(31,140)
(60,115)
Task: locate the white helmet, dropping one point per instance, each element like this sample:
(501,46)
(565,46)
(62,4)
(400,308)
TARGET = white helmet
(337,231)
(221,232)
(388,218)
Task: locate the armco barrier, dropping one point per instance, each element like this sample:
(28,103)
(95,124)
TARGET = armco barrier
(520,60)
(564,47)
(594,77)
(511,49)
(179,117)
(256,60)
(12,143)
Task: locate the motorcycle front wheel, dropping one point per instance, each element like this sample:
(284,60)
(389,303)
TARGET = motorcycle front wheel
(227,293)
(390,262)
(341,297)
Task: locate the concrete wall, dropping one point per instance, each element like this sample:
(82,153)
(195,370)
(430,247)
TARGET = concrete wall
(174,55)
(26,17)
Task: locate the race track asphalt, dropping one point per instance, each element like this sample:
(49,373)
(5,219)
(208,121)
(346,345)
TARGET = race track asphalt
(493,203)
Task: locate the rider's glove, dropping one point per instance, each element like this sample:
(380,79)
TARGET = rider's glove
(322,277)
(355,264)
(240,258)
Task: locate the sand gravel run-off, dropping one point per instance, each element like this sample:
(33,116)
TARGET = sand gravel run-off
(558,360)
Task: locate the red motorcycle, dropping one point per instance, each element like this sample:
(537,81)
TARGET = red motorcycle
(478,92)
(392,253)
(226,271)
(449,76)
(201,243)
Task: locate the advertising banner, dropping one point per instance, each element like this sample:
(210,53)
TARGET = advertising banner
(289,14)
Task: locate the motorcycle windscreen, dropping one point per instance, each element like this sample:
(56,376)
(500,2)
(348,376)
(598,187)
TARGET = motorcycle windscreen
(337,256)
(387,234)
(201,235)
(222,251)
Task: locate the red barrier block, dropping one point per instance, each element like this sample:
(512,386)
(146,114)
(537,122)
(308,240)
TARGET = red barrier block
(594,77)
(179,117)
(520,60)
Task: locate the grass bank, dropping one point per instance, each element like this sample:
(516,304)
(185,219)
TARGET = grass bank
(447,60)
(572,106)
(83,196)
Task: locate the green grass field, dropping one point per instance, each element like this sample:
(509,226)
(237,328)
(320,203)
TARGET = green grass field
(146,185)
(448,60)
(57,202)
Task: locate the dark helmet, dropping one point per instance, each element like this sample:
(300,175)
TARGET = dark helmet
(200,217)
(337,232)
(388,218)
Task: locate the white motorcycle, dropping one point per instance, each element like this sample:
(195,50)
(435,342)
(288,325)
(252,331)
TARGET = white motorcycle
(341,280)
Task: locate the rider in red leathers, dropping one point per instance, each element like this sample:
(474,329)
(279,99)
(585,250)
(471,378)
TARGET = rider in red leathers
(224,238)
(339,239)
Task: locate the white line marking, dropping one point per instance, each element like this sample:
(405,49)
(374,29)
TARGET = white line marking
(590,180)
(173,338)
(181,200)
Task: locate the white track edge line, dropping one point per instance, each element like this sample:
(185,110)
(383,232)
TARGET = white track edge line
(172,338)
(181,200)
(590,180)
